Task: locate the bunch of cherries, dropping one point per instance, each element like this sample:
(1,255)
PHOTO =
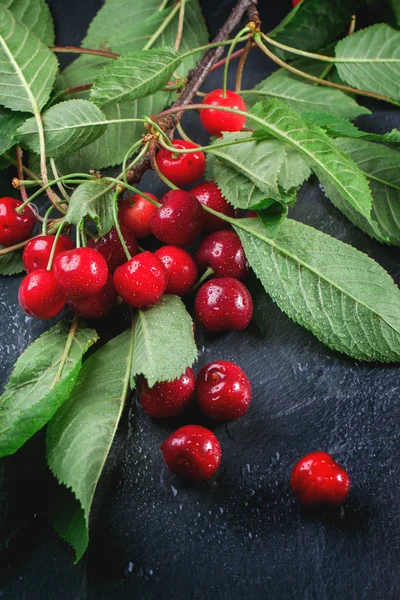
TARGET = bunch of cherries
(90,279)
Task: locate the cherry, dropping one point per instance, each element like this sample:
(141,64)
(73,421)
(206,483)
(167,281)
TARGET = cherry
(223,304)
(37,252)
(14,226)
(135,214)
(318,479)
(223,252)
(192,452)
(168,398)
(181,269)
(80,272)
(97,306)
(40,296)
(111,248)
(295,2)
(181,169)
(179,220)
(223,391)
(217,121)
(142,280)
(209,194)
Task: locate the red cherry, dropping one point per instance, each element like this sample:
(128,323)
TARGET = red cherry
(223,304)
(135,214)
(15,227)
(192,452)
(217,121)
(209,194)
(97,306)
(142,280)
(37,252)
(223,252)
(39,295)
(168,398)
(111,248)
(318,479)
(179,220)
(295,2)
(181,169)
(223,391)
(181,269)
(80,272)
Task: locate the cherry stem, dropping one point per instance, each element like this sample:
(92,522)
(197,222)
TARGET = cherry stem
(207,273)
(53,249)
(46,218)
(135,160)
(117,225)
(49,184)
(27,171)
(183,134)
(24,195)
(77,50)
(59,184)
(180,25)
(157,170)
(228,58)
(208,148)
(221,62)
(133,189)
(242,62)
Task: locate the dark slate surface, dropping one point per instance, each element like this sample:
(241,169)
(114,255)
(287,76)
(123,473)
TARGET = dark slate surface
(241,535)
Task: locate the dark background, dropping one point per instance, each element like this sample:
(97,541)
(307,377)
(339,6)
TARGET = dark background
(241,535)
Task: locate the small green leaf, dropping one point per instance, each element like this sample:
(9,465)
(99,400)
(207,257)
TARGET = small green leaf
(9,123)
(370,60)
(294,171)
(92,199)
(338,293)
(312,142)
(80,435)
(272,218)
(135,75)
(36,389)
(36,15)
(28,67)
(337,127)
(68,126)
(235,187)
(164,341)
(11,263)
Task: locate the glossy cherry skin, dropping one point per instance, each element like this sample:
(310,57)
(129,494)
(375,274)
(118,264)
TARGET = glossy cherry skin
(111,248)
(168,398)
(181,268)
(217,121)
(15,227)
(318,479)
(223,304)
(192,452)
(209,194)
(223,252)
(181,169)
(40,296)
(37,252)
(141,281)
(223,391)
(80,272)
(135,214)
(97,306)
(179,220)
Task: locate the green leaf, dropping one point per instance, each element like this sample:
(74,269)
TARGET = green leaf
(395,5)
(382,167)
(35,14)
(11,263)
(164,341)
(258,161)
(68,126)
(305,97)
(28,67)
(9,123)
(370,60)
(135,75)
(272,218)
(277,119)
(235,187)
(36,389)
(80,435)
(294,171)
(337,127)
(92,199)
(338,293)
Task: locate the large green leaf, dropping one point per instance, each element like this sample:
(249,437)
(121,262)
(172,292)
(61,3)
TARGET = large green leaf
(258,161)
(382,166)
(27,67)
(92,199)
(341,295)
(68,126)
(164,341)
(337,127)
(134,75)
(35,14)
(36,388)
(305,97)
(370,60)
(278,120)
(11,263)
(235,187)
(9,123)
(80,435)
